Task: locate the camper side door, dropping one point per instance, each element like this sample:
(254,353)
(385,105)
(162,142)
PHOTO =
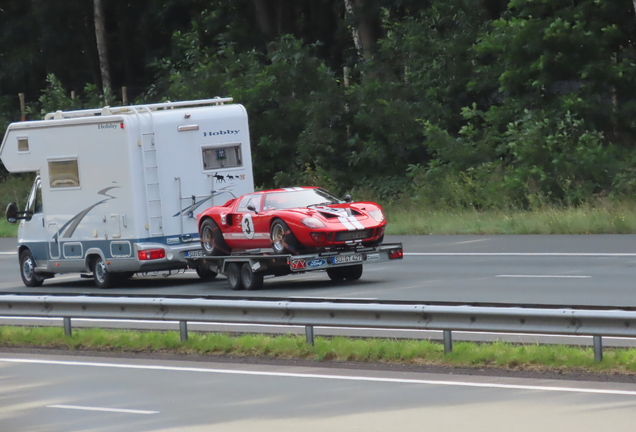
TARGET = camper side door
(33,233)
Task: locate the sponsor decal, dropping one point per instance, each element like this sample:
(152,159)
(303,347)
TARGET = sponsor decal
(298,264)
(247,225)
(315,263)
(221,132)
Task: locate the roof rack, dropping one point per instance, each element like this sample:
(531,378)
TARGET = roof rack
(107,110)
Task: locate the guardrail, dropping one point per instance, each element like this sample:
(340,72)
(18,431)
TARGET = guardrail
(594,323)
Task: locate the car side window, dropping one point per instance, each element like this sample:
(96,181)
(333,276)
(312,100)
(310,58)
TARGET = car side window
(254,200)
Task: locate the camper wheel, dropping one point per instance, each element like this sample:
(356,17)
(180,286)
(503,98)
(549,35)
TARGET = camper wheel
(103,277)
(27,270)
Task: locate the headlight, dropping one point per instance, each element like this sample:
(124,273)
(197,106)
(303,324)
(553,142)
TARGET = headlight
(313,222)
(377,214)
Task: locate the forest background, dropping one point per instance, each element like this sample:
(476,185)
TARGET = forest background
(468,104)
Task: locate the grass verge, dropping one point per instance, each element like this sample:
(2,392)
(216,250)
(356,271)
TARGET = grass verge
(501,355)
(599,218)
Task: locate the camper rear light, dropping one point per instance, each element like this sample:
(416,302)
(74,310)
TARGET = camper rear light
(396,254)
(151,254)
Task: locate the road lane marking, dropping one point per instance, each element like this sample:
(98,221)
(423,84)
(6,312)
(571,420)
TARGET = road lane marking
(327,377)
(115,410)
(8,253)
(544,276)
(522,254)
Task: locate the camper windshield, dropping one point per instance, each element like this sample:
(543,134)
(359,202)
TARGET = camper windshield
(34,202)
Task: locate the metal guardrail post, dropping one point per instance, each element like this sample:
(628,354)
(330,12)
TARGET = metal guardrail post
(598,348)
(309,334)
(68,331)
(448,341)
(183,330)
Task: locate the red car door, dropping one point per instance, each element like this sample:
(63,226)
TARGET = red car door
(246,231)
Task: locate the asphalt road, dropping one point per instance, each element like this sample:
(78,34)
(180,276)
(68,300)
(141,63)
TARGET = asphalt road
(577,270)
(56,393)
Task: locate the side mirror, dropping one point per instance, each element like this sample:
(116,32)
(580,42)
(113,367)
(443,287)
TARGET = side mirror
(12,213)
(347,198)
(251,207)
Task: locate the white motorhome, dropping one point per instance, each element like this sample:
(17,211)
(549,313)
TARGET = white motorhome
(117,189)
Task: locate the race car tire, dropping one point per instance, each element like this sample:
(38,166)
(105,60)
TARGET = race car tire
(352,273)
(27,270)
(251,281)
(212,241)
(204,272)
(282,238)
(233,273)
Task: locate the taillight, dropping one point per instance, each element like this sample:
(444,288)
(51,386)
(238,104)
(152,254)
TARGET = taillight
(319,237)
(396,254)
(151,254)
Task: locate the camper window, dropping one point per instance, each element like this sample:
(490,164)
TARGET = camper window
(63,173)
(23,144)
(222,157)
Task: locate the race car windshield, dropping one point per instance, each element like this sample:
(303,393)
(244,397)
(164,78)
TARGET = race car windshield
(299,199)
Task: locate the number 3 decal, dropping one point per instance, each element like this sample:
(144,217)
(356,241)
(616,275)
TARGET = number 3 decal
(247,225)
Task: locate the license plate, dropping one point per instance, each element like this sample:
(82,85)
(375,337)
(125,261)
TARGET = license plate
(342,259)
(352,235)
(194,254)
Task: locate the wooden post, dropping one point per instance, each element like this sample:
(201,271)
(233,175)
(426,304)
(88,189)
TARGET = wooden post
(72,94)
(124,95)
(22,106)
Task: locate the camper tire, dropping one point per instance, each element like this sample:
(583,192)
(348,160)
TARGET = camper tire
(103,277)
(212,240)
(27,270)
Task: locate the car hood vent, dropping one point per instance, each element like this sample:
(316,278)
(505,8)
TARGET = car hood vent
(330,212)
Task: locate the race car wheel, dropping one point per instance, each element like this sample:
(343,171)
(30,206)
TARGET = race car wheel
(212,240)
(352,273)
(27,270)
(204,272)
(251,280)
(103,277)
(283,240)
(233,273)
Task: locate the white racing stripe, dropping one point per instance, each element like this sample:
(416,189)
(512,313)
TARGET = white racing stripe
(492,385)
(345,221)
(355,222)
(115,410)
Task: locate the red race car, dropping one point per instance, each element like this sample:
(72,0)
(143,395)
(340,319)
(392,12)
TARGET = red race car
(290,221)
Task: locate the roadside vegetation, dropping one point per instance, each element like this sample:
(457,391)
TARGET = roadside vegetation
(556,358)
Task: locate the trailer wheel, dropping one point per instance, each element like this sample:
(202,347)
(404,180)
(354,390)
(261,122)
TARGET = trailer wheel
(251,280)
(353,272)
(283,240)
(103,277)
(233,273)
(335,274)
(212,240)
(27,270)
(204,272)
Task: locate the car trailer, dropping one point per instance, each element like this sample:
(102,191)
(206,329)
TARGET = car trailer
(246,270)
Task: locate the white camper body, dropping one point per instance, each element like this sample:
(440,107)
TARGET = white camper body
(118,189)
